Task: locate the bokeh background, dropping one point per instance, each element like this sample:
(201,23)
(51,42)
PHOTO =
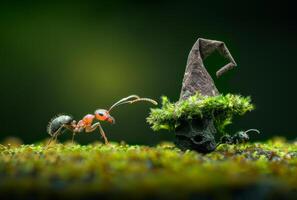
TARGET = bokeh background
(75,57)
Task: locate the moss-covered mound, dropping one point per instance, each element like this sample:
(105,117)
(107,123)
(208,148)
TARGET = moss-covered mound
(221,108)
(119,170)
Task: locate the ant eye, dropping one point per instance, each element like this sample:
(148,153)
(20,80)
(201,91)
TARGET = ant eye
(101,114)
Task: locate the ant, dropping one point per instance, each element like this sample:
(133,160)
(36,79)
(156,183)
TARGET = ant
(62,122)
(237,138)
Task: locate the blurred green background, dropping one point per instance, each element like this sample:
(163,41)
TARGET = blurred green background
(75,57)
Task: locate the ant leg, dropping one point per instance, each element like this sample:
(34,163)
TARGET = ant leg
(93,127)
(60,132)
(49,142)
(54,136)
(89,129)
(103,134)
(225,139)
(73,134)
(57,133)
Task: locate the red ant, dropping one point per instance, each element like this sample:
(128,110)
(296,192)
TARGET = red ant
(62,122)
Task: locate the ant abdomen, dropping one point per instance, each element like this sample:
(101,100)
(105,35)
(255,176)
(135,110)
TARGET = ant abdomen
(59,122)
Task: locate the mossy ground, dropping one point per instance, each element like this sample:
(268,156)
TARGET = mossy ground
(119,170)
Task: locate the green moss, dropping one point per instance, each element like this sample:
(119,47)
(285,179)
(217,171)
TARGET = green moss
(221,108)
(137,171)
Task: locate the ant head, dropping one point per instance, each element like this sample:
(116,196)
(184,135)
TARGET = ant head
(103,115)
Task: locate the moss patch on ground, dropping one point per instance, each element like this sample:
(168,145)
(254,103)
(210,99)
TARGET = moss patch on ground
(249,170)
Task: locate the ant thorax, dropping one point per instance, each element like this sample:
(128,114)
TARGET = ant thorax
(84,122)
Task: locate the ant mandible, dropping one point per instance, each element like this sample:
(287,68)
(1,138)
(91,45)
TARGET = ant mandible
(62,122)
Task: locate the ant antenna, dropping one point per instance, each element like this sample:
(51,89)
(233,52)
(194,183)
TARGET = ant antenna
(131,99)
(123,100)
(255,130)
